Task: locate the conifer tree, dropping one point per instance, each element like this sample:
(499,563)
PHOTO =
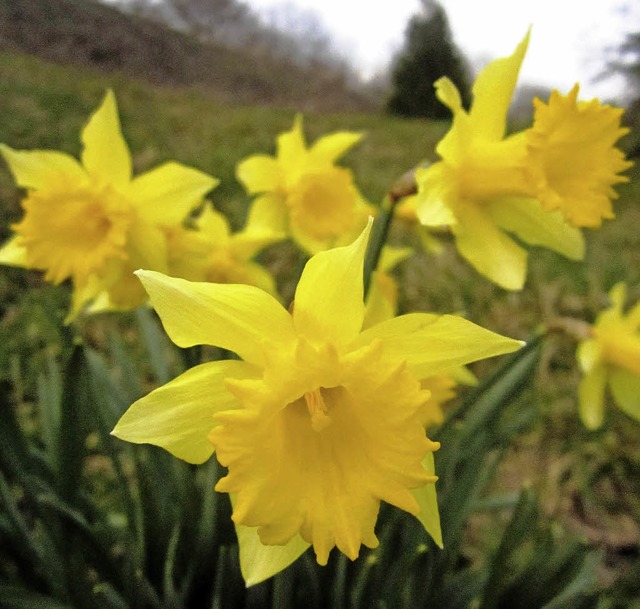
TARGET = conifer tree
(429,53)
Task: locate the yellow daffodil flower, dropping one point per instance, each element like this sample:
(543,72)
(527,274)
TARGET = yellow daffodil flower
(91,221)
(573,162)
(211,252)
(318,421)
(382,299)
(303,193)
(442,389)
(611,356)
(488,185)
(406,211)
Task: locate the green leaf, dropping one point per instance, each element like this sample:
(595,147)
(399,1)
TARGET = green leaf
(159,348)
(74,425)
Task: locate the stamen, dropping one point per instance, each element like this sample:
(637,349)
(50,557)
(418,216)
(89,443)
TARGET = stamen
(317,409)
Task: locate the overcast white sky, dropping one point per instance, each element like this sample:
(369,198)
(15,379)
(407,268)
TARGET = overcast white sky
(567,39)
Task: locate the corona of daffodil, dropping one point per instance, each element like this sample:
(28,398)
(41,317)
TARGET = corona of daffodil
(91,221)
(537,185)
(611,357)
(303,193)
(573,162)
(319,420)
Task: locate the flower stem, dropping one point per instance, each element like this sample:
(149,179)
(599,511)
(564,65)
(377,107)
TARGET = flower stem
(405,186)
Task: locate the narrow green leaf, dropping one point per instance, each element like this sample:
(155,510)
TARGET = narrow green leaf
(523,522)
(74,425)
(127,371)
(49,385)
(158,346)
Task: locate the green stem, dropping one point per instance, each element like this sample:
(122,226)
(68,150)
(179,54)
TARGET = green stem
(379,235)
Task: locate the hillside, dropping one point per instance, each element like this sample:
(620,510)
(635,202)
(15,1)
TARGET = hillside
(86,33)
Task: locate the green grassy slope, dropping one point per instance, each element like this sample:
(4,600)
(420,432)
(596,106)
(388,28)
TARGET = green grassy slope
(87,33)
(44,105)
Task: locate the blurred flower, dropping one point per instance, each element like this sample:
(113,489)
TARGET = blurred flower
(611,357)
(318,421)
(573,161)
(302,192)
(406,211)
(442,389)
(90,221)
(479,188)
(382,299)
(211,252)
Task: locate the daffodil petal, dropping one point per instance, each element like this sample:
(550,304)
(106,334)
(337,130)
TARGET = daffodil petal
(434,190)
(431,344)
(259,562)
(245,245)
(429,514)
(393,255)
(535,226)
(215,226)
(259,173)
(329,303)
(448,94)
(625,387)
(490,251)
(291,145)
(261,278)
(106,155)
(13,254)
(331,147)
(618,296)
(240,318)
(591,397)
(37,169)
(589,354)
(178,416)
(166,194)
(268,213)
(493,90)
(147,246)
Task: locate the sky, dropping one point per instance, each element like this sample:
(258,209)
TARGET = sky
(567,39)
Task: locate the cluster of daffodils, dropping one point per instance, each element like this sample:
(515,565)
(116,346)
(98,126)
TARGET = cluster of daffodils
(540,185)
(325,412)
(91,221)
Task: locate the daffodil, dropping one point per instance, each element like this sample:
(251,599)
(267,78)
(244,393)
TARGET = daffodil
(442,389)
(303,193)
(211,252)
(319,420)
(405,211)
(91,221)
(382,299)
(488,185)
(573,162)
(611,357)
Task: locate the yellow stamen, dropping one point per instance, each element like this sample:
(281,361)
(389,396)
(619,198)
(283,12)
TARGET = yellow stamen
(318,410)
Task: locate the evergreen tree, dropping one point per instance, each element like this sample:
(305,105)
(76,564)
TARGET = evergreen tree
(429,53)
